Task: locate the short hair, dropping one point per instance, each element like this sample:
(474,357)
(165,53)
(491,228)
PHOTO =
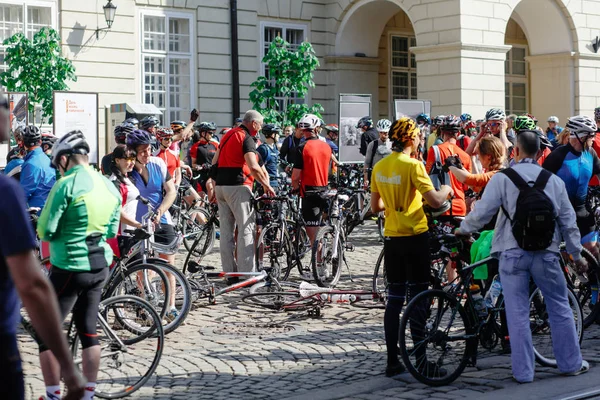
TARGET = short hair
(528,143)
(512,117)
(252,115)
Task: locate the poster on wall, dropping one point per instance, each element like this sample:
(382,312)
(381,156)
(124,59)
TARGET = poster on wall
(411,108)
(352,108)
(18,106)
(78,111)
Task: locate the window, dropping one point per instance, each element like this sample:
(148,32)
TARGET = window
(26,17)
(167,63)
(403,68)
(516,86)
(294,35)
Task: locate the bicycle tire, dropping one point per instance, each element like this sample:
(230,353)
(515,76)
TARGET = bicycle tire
(433,305)
(201,247)
(281,301)
(541,330)
(188,241)
(302,247)
(379,275)
(324,239)
(271,252)
(151,344)
(381,226)
(583,291)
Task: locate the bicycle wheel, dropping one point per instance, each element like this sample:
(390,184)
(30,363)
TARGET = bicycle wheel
(127,359)
(202,246)
(192,230)
(302,247)
(381,225)
(280,301)
(142,280)
(327,268)
(539,322)
(275,249)
(584,291)
(434,338)
(379,277)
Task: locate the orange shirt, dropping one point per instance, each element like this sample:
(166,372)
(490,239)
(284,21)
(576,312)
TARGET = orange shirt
(478,181)
(447,149)
(596,146)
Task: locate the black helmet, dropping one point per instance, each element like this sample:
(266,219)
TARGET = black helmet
(205,126)
(148,122)
(72,143)
(270,130)
(365,122)
(178,125)
(48,140)
(138,137)
(132,121)
(127,128)
(119,135)
(31,136)
(15,152)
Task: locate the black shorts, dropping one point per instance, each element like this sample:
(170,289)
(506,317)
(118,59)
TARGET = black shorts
(313,207)
(165,234)
(407,259)
(80,292)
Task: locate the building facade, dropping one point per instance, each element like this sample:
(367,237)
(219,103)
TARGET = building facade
(463,55)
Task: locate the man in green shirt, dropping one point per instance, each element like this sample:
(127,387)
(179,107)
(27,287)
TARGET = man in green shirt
(81,212)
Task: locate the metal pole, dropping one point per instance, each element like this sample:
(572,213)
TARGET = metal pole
(235,67)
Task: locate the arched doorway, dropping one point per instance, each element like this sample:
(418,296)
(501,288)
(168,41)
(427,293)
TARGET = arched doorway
(516,70)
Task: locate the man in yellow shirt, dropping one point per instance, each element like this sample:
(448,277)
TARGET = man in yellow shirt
(399,184)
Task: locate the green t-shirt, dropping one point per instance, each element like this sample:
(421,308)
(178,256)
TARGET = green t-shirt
(83,210)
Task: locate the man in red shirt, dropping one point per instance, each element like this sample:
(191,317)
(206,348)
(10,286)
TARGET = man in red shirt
(310,173)
(235,167)
(449,129)
(165,139)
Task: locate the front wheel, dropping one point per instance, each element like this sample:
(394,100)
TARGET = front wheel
(280,301)
(327,257)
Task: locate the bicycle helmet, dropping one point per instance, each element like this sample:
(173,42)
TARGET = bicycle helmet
(138,137)
(175,125)
(15,152)
(205,126)
(523,122)
(438,120)
(423,118)
(119,135)
(163,133)
(597,113)
(332,128)
(148,122)
(72,143)
(127,128)
(403,130)
(18,132)
(495,114)
(383,125)
(224,131)
(31,136)
(553,119)
(271,130)
(48,141)
(451,123)
(581,126)
(132,121)
(365,122)
(309,122)
(465,117)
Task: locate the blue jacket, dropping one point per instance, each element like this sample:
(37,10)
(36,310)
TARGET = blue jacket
(37,177)
(332,144)
(12,164)
(270,158)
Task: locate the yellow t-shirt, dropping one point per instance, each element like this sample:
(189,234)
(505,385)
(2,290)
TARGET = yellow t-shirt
(401,181)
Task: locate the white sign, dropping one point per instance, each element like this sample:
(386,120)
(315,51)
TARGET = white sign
(411,108)
(352,108)
(78,111)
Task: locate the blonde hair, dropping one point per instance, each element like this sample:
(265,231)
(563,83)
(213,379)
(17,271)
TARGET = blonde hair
(493,147)
(563,137)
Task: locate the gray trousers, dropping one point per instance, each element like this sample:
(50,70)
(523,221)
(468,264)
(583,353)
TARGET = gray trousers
(516,267)
(235,208)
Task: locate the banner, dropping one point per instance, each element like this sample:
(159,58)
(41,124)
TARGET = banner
(78,111)
(352,108)
(19,115)
(411,108)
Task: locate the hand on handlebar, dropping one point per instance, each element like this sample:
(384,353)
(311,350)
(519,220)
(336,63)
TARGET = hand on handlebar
(459,233)
(269,191)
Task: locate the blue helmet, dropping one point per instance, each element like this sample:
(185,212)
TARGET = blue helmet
(138,137)
(466,117)
(423,118)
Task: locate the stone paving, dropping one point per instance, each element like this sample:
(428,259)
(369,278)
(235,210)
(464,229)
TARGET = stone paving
(231,350)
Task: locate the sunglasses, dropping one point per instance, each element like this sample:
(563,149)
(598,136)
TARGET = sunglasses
(128,159)
(169,139)
(493,124)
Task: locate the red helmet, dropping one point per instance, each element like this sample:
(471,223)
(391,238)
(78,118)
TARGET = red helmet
(163,133)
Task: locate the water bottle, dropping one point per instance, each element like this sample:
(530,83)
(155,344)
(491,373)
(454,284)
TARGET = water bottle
(478,301)
(338,298)
(492,295)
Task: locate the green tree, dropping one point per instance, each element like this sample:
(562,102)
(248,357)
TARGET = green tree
(290,73)
(37,67)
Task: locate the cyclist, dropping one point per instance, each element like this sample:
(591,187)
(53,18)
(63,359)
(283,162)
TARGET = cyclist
(121,131)
(203,152)
(15,161)
(149,124)
(398,187)
(121,165)
(48,141)
(369,133)
(290,144)
(553,129)
(151,177)
(575,163)
(494,124)
(332,134)
(82,212)
(37,175)
(133,121)
(377,149)
(434,136)
(424,124)
(525,123)
(596,145)
(165,140)
(270,154)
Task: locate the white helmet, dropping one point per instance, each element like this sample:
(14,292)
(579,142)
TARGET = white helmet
(553,119)
(309,122)
(581,126)
(384,125)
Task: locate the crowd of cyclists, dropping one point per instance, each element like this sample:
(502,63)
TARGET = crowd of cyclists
(414,168)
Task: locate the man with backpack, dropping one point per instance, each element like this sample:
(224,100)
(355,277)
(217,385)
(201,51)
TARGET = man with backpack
(536,215)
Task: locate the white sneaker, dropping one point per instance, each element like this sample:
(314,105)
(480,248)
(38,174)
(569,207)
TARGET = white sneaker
(585,367)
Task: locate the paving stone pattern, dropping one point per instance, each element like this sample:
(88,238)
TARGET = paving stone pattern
(232,350)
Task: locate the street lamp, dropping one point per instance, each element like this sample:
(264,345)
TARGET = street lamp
(109,15)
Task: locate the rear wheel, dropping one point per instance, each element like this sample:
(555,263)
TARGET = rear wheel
(379,277)
(275,250)
(326,261)
(281,301)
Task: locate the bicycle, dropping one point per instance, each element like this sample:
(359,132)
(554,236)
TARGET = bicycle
(440,329)
(205,240)
(125,339)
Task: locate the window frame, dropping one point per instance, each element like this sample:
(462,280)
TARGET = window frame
(168,55)
(410,70)
(510,79)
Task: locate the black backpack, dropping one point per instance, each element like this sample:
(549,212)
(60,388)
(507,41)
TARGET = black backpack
(534,221)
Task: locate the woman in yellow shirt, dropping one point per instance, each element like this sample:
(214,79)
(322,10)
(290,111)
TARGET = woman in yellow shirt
(399,184)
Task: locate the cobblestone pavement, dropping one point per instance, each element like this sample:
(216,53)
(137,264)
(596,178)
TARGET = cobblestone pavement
(231,350)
